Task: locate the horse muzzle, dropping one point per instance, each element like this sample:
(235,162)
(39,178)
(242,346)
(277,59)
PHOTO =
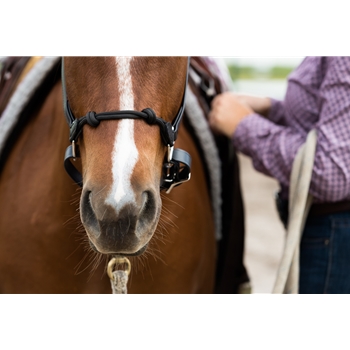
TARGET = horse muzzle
(125,231)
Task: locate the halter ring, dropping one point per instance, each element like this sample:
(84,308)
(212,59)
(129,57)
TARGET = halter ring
(118,261)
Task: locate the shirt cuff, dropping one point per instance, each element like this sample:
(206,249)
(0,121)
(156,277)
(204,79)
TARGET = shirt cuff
(248,132)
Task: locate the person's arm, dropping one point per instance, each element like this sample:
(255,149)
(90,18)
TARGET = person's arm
(273,147)
(268,107)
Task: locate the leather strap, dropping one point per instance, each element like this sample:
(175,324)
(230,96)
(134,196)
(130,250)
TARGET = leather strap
(318,209)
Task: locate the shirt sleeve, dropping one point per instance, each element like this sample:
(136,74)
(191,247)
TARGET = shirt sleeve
(273,147)
(277,113)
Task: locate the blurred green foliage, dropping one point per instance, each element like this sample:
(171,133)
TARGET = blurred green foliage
(247,72)
(278,72)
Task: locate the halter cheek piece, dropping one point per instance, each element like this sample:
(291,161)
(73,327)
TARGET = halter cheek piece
(177,165)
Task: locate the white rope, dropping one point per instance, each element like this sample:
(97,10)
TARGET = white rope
(300,200)
(119,282)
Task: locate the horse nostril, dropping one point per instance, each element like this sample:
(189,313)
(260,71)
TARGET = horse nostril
(148,205)
(89,216)
(90,201)
(144,201)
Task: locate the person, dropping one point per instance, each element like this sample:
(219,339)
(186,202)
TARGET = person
(271,132)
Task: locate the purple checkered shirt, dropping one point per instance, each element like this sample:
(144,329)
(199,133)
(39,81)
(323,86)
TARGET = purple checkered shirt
(317,97)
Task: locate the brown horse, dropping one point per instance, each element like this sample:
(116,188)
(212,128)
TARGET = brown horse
(120,209)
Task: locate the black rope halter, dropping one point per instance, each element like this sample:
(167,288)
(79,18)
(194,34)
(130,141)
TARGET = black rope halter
(176,168)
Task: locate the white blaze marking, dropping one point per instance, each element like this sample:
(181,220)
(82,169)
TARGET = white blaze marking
(125,154)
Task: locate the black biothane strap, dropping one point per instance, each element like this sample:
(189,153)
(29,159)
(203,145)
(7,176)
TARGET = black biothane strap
(167,131)
(73,172)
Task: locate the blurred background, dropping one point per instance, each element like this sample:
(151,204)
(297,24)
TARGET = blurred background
(264,243)
(265,76)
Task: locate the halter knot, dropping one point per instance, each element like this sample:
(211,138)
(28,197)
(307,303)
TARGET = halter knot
(151,116)
(91,119)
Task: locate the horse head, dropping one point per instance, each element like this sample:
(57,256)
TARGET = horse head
(122,159)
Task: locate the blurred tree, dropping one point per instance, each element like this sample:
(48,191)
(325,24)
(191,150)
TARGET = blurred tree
(238,72)
(279,72)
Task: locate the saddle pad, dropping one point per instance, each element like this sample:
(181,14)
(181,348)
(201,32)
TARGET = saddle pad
(200,126)
(214,69)
(24,91)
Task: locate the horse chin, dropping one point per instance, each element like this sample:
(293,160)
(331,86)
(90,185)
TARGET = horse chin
(119,254)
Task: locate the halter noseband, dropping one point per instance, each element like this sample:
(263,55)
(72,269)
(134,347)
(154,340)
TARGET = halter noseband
(176,168)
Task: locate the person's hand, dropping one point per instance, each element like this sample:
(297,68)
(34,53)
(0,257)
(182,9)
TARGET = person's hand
(227,112)
(260,105)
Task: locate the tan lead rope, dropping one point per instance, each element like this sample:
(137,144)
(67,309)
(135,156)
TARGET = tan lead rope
(119,278)
(300,200)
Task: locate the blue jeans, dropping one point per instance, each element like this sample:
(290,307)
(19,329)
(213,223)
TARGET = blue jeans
(325,255)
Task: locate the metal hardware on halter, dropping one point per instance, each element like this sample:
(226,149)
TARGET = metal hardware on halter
(177,170)
(208,89)
(73,151)
(170,153)
(177,183)
(118,261)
